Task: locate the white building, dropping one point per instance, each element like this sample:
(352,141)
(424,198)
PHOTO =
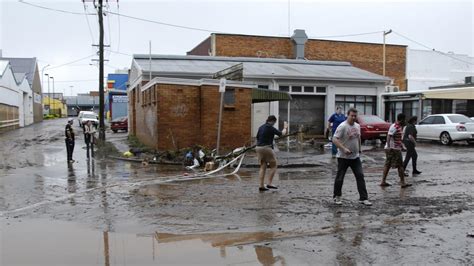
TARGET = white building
(16,98)
(427,69)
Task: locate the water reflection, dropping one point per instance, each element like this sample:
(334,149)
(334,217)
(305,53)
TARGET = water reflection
(71,182)
(266,258)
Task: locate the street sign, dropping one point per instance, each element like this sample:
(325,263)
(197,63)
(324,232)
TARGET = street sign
(222,84)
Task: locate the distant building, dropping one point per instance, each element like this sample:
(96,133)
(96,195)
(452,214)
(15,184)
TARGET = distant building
(55,107)
(27,68)
(116,99)
(427,69)
(81,102)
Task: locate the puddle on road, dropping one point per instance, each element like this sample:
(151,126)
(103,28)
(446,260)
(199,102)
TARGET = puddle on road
(44,242)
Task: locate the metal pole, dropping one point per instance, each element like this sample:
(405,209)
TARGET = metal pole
(49,97)
(53,88)
(383,66)
(150,62)
(219,123)
(385,33)
(101,73)
(288,131)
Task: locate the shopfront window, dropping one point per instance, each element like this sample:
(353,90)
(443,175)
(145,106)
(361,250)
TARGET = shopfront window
(364,104)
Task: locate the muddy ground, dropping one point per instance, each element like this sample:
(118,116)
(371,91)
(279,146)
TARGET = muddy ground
(122,213)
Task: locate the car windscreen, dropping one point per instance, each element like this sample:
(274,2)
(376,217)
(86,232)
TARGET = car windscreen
(90,116)
(459,119)
(371,119)
(119,119)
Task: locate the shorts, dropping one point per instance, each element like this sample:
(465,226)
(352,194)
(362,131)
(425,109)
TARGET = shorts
(394,158)
(265,154)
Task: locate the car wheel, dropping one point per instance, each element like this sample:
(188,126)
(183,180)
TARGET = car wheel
(445,138)
(114,130)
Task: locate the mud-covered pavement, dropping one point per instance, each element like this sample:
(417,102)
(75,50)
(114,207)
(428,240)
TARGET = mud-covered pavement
(120,213)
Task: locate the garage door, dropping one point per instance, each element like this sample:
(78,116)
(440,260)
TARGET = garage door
(304,110)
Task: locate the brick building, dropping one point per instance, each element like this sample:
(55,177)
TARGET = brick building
(367,56)
(170,113)
(316,87)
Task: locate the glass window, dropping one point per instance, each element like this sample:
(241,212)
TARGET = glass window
(350,98)
(369,109)
(459,119)
(360,98)
(427,121)
(229,97)
(320,89)
(340,98)
(263,87)
(308,89)
(296,89)
(439,120)
(284,88)
(370,98)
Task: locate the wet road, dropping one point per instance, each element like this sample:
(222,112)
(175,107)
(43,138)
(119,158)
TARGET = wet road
(118,213)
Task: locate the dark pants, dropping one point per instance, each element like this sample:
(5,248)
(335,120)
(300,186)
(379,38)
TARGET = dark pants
(89,144)
(69,148)
(333,147)
(411,154)
(356,166)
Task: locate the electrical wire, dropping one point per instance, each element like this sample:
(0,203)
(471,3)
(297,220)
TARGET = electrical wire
(118,18)
(72,62)
(432,49)
(88,24)
(162,23)
(54,9)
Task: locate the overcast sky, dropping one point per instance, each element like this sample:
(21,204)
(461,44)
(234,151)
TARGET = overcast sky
(57,38)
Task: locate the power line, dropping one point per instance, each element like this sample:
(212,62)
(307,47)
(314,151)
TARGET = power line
(162,23)
(88,24)
(346,35)
(54,9)
(72,62)
(432,49)
(118,18)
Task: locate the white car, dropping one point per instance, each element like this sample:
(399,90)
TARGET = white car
(85,116)
(446,128)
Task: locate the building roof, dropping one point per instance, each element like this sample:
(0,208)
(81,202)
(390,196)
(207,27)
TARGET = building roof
(26,66)
(206,66)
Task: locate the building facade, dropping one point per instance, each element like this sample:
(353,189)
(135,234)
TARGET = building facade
(427,69)
(316,87)
(367,56)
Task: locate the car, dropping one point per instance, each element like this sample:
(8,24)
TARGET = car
(472,118)
(446,128)
(119,123)
(373,127)
(85,116)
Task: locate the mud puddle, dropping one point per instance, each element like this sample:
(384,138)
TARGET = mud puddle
(66,243)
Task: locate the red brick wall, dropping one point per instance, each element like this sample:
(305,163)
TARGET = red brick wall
(185,115)
(366,56)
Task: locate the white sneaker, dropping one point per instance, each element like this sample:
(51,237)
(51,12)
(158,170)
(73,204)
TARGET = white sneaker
(365,202)
(338,200)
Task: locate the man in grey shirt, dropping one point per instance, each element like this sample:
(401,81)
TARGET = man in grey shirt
(348,142)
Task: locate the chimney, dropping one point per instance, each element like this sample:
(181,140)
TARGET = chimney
(299,38)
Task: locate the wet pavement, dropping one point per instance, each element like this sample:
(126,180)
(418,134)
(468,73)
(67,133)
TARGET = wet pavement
(114,212)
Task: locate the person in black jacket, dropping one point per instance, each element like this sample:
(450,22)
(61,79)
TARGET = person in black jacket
(70,140)
(265,154)
(409,140)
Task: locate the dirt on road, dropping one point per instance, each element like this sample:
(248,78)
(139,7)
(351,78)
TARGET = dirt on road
(115,212)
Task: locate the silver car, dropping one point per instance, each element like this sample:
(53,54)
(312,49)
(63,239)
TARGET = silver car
(446,128)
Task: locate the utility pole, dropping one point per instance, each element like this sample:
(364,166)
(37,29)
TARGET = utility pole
(53,90)
(385,33)
(49,96)
(101,72)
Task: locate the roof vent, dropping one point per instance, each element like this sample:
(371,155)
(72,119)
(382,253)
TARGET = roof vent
(299,39)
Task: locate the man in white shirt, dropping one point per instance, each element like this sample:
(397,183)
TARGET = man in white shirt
(89,136)
(348,142)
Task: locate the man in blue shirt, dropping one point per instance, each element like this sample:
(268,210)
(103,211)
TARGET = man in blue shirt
(334,121)
(265,154)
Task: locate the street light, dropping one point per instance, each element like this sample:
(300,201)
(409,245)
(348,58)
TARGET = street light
(42,73)
(53,86)
(385,33)
(49,96)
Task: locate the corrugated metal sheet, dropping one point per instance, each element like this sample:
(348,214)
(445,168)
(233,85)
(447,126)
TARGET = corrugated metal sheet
(23,65)
(262,95)
(200,66)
